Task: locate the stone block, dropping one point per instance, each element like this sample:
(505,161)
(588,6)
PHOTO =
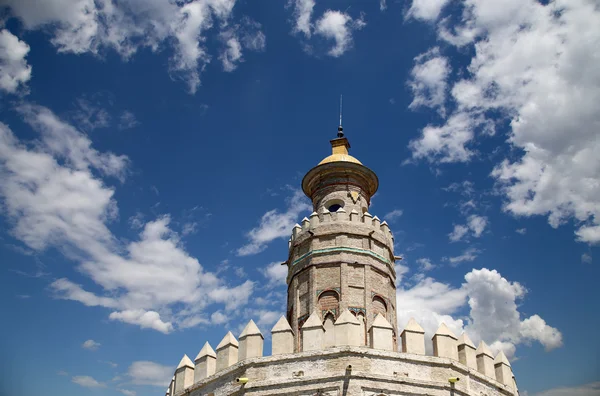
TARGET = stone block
(227,352)
(184,374)
(282,337)
(251,342)
(206,363)
(413,338)
(445,343)
(381,334)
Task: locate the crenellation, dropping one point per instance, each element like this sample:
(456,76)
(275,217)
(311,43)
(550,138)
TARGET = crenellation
(282,337)
(485,360)
(445,343)
(341,215)
(326,216)
(227,352)
(354,216)
(347,330)
(205,363)
(381,334)
(184,374)
(503,370)
(466,351)
(367,218)
(413,338)
(376,223)
(312,333)
(296,231)
(250,342)
(305,224)
(314,220)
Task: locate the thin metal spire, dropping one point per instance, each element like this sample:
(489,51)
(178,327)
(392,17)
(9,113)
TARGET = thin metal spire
(340,128)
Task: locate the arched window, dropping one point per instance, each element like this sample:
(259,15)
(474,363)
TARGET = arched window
(329,300)
(334,204)
(379,306)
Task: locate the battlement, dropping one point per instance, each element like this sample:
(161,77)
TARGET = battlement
(236,363)
(354,232)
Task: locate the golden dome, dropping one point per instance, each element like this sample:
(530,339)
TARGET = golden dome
(339,157)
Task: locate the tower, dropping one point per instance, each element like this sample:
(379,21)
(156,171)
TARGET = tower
(340,333)
(342,257)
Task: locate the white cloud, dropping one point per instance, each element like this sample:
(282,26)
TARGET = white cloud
(152,281)
(530,69)
(14,70)
(393,215)
(493,311)
(592,389)
(425,264)
(477,224)
(91,345)
(428,81)
(150,373)
(521,231)
(446,143)
(458,233)
(232,53)
(382,5)
(427,10)
(127,392)
(90,116)
(145,319)
(586,258)
(275,273)
(401,270)
(127,120)
(468,255)
(274,225)
(218,317)
(338,26)
(87,382)
(303,10)
(88,26)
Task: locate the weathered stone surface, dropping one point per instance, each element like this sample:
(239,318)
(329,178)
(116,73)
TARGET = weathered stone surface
(444,343)
(251,342)
(227,352)
(381,334)
(413,338)
(282,337)
(373,372)
(184,374)
(466,351)
(503,370)
(485,360)
(206,363)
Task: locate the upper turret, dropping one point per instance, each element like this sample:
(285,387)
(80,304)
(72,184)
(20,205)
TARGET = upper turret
(340,180)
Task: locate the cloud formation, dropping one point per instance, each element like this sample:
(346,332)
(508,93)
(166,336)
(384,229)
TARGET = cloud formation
(529,68)
(493,314)
(54,196)
(90,345)
(332,25)
(275,224)
(96,26)
(14,70)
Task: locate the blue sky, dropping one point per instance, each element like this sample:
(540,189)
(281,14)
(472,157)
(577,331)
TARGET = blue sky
(151,154)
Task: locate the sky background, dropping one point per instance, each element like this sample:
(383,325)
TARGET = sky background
(151,155)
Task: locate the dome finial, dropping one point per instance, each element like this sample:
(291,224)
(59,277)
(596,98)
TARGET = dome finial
(340,133)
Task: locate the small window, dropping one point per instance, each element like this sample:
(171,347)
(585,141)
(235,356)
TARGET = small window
(334,205)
